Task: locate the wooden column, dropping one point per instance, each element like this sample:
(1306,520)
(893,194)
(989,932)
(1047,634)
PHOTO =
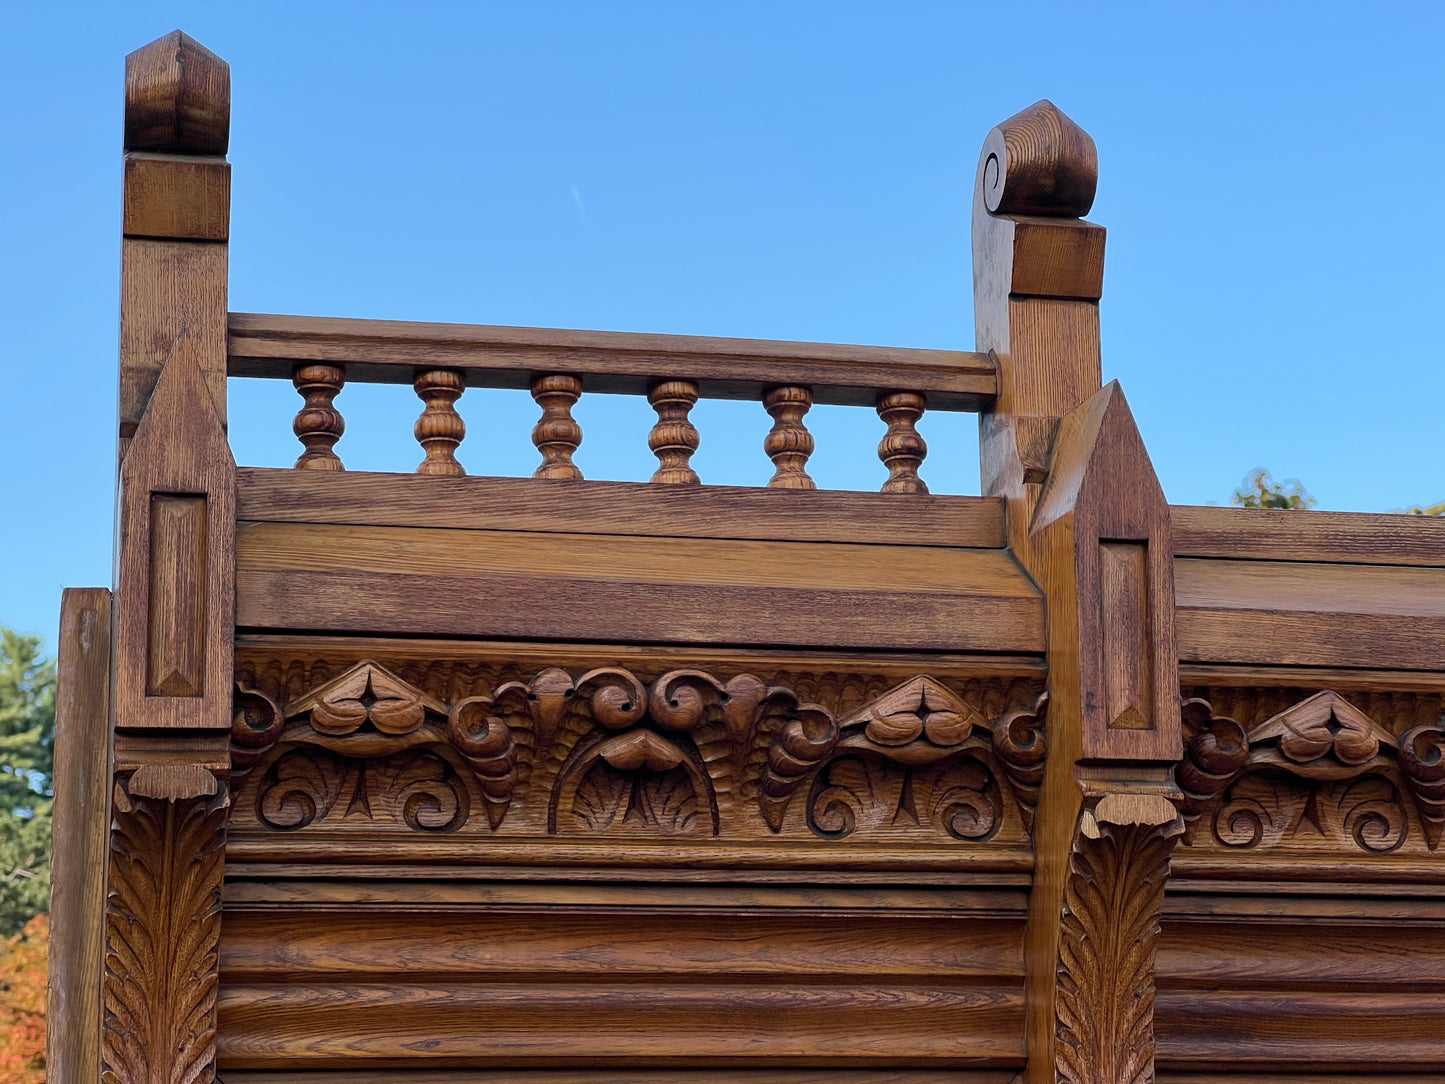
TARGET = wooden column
(1087,518)
(80,833)
(175,574)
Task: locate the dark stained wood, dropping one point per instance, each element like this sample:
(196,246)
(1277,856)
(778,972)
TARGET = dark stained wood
(1039,162)
(384,351)
(80,835)
(618,508)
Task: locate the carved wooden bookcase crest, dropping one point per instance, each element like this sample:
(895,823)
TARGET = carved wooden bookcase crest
(605,752)
(1321,773)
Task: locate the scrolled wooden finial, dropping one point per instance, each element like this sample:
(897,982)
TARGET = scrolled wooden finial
(177,98)
(1039,162)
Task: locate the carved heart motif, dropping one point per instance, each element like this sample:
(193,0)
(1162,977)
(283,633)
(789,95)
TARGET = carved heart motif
(1326,723)
(920,708)
(367,693)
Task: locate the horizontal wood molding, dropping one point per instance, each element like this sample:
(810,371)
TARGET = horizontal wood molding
(439,582)
(1298,535)
(672,1075)
(387,352)
(1310,614)
(630,508)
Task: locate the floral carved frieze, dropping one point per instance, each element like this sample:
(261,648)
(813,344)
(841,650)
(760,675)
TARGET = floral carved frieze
(605,752)
(1320,772)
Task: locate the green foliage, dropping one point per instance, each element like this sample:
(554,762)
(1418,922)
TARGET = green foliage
(27,739)
(1258,491)
(1426,510)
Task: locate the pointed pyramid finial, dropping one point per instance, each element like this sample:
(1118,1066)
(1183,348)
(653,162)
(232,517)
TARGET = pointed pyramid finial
(177,98)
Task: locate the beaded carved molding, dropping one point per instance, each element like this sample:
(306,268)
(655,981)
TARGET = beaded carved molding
(474,751)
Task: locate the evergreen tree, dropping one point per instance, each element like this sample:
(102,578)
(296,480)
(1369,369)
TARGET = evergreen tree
(27,739)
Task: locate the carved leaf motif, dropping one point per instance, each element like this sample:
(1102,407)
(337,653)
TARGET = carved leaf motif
(683,699)
(1369,811)
(1217,752)
(1020,743)
(868,792)
(1323,736)
(420,788)
(1422,761)
(485,739)
(300,787)
(637,781)
(163,923)
(1259,810)
(616,697)
(1105,1006)
(807,737)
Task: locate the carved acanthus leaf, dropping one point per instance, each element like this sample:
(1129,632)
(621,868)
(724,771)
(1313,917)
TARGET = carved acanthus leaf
(922,708)
(1422,760)
(1322,737)
(163,924)
(807,737)
(1104,1011)
(1021,745)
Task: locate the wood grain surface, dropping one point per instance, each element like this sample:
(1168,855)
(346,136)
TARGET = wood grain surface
(386,351)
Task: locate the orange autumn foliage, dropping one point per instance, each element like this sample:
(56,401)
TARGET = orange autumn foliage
(22,1004)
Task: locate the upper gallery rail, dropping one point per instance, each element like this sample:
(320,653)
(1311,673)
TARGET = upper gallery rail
(319,355)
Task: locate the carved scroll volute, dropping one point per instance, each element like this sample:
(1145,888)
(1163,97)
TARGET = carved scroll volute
(479,731)
(1422,762)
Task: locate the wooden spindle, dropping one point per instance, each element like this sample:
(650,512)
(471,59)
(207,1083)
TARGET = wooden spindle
(440,428)
(788,443)
(557,433)
(673,439)
(319,424)
(902,449)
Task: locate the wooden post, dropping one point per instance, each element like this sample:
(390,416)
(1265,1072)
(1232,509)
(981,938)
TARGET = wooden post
(1087,518)
(175,574)
(79,836)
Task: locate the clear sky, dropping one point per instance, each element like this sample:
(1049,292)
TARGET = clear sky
(1270,176)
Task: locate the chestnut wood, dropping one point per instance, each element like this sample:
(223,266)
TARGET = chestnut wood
(386,352)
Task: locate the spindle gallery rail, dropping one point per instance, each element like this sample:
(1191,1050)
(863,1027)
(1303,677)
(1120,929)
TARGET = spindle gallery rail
(419,778)
(320,355)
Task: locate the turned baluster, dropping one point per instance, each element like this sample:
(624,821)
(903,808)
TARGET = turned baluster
(557,433)
(318,423)
(788,443)
(440,428)
(673,439)
(902,449)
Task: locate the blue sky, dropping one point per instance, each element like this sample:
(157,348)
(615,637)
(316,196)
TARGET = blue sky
(1269,175)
